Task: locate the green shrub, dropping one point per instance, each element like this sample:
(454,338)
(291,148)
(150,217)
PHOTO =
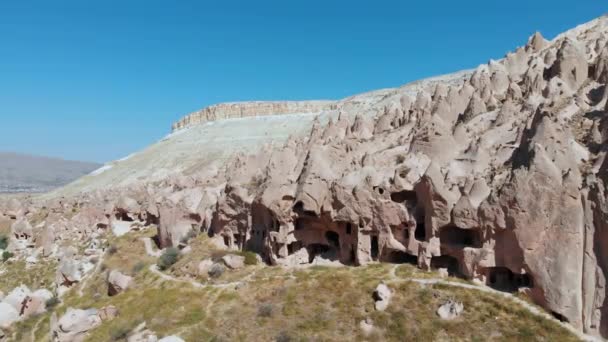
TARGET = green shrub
(51,302)
(284,337)
(216,271)
(3,241)
(7,255)
(119,333)
(112,250)
(250,258)
(168,258)
(265,310)
(138,267)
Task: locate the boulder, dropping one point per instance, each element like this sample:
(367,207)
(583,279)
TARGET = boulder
(450,310)
(108,313)
(233,261)
(118,282)
(75,324)
(367,327)
(382,297)
(204,266)
(8,315)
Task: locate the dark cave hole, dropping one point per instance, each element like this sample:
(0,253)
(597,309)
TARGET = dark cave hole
(152,220)
(333,239)
(294,247)
(448,262)
(123,216)
(404,196)
(298,208)
(315,249)
(503,279)
(195,217)
(375,248)
(420,232)
(400,257)
(559,317)
(455,236)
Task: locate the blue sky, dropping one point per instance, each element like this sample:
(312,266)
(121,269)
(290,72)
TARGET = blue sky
(97,80)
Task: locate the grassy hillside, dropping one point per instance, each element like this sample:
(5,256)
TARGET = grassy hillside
(264,303)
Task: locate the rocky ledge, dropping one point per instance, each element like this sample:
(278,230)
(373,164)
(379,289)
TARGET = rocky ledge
(249,109)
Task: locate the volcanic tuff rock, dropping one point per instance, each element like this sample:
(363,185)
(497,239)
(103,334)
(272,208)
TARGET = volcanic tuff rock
(497,174)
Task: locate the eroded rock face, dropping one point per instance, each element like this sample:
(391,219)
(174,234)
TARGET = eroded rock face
(118,282)
(497,174)
(74,325)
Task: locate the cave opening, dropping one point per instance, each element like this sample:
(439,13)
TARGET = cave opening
(349,228)
(298,208)
(375,247)
(333,239)
(559,317)
(404,196)
(420,232)
(152,220)
(315,249)
(294,247)
(123,216)
(195,217)
(455,236)
(503,279)
(448,262)
(400,257)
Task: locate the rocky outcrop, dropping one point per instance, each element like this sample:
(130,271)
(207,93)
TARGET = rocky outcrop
(118,282)
(74,325)
(249,109)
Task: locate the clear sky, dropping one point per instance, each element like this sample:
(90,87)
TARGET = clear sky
(98,80)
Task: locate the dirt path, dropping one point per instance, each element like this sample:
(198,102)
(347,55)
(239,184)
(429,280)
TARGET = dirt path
(89,275)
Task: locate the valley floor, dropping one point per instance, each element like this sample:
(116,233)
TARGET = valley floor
(262,303)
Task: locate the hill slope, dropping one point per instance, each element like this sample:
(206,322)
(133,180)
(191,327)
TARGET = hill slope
(27,173)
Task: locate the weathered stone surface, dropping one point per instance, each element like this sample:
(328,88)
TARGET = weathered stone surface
(233,261)
(75,324)
(382,297)
(118,282)
(450,310)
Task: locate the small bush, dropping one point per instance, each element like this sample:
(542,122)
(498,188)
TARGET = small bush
(112,250)
(169,257)
(3,241)
(138,267)
(250,258)
(265,310)
(7,255)
(51,302)
(283,336)
(216,271)
(119,333)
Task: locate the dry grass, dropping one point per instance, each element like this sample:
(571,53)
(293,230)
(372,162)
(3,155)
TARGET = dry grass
(313,304)
(16,272)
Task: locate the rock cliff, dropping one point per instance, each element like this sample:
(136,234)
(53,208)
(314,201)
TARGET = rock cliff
(251,109)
